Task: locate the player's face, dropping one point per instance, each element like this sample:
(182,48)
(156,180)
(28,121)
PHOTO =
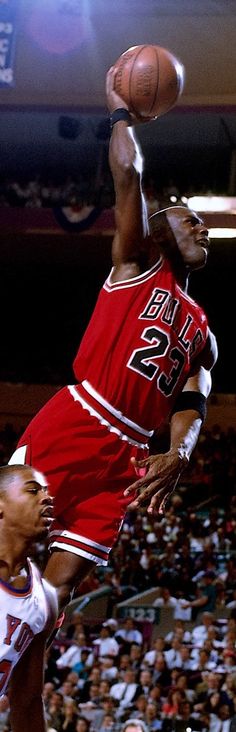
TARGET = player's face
(191,236)
(27,506)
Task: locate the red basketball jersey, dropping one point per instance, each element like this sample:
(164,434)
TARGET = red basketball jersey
(140,344)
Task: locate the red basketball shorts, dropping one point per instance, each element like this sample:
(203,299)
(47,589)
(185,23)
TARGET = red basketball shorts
(87,466)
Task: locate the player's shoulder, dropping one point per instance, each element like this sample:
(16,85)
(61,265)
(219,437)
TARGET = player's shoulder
(50,592)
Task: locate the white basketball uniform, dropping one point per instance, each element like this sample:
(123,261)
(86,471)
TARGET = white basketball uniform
(23,613)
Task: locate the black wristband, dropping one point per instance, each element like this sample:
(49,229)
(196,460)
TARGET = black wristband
(191,400)
(119,114)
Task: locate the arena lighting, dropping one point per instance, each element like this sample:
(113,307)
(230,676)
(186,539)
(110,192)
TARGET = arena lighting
(222,233)
(212,203)
(215,204)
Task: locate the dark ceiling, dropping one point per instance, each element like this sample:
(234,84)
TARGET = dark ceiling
(63,49)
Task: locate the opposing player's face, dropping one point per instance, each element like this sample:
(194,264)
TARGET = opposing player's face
(27,506)
(191,236)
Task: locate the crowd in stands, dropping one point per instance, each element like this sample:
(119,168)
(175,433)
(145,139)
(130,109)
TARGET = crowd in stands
(75,192)
(100,674)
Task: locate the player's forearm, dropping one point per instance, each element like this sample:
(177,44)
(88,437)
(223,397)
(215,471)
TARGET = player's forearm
(29,716)
(185,427)
(125,156)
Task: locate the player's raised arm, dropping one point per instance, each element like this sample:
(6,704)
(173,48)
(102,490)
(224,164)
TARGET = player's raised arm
(126,165)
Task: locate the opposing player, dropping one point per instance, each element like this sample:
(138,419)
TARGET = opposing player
(28,603)
(145,358)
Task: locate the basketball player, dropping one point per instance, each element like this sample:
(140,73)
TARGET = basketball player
(145,358)
(28,604)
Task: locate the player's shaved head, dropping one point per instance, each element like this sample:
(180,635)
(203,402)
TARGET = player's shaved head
(7,475)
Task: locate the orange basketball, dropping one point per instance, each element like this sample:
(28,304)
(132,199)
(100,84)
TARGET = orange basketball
(149,79)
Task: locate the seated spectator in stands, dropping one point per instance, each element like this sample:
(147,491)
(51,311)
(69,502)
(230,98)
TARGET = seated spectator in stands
(106,644)
(171,706)
(108,667)
(108,706)
(68,689)
(134,725)
(70,715)
(54,714)
(152,717)
(145,682)
(150,656)
(94,678)
(155,696)
(109,723)
(182,683)
(200,632)
(82,724)
(180,631)
(140,706)
(72,655)
(185,719)
(187,662)
(135,656)
(132,576)
(48,689)
(165,599)
(231,601)
(123,664)
(128,634)
(221,721)
(173,655)
(161,673)
(125,691)
(229,634)
(213,636)
(89,707)
(201,666)
(229,687)
(209,687)
(228,661)
(82,668)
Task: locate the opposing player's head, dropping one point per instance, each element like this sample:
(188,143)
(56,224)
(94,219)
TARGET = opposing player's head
(25,504)
(181,234)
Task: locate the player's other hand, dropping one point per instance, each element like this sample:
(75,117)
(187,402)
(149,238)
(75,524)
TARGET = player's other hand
(114,101)
(153,489)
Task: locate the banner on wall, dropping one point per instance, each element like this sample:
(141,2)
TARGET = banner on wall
(8,27)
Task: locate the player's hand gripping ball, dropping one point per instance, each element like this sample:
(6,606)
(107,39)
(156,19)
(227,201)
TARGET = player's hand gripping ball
(150,80)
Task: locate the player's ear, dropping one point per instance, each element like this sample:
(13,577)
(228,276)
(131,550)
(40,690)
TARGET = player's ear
(1,507)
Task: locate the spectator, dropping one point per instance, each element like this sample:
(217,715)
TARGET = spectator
(106,644)
(134,725)
(125,691)
(129,634)
(165,599)
(70,715)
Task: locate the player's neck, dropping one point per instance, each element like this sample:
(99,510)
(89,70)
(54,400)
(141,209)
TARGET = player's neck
(13,557)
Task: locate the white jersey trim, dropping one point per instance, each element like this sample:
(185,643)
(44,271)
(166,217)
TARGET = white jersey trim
(109,286)
(95,413)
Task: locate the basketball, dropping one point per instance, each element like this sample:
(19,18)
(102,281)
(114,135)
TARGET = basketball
(149,79)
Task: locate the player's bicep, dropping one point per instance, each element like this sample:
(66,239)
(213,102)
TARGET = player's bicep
(131,226)
(199,381)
